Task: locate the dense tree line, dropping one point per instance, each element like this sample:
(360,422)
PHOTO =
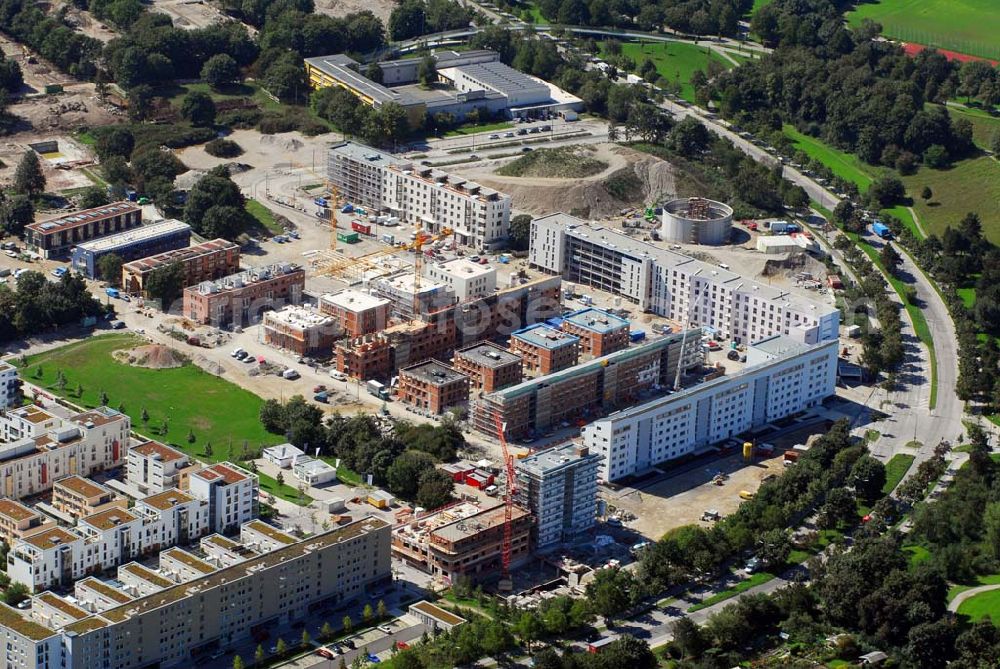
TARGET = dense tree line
(412,18)
(379,126)
(834,465)
(36,304)
(68,49)
(216,207)
(696,17)
(401,458)
(856,93)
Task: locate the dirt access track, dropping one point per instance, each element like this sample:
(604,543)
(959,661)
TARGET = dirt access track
(380,8)
(646,179)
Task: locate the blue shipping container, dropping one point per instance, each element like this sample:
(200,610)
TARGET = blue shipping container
(637,335)
(882,230)
(347,208)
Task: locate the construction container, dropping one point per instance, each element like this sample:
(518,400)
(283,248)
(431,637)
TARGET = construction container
(360,227)
(379,499)
(637,336)
(348,237)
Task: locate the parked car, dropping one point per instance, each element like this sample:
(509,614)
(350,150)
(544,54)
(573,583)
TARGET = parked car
(508,135)
(337,376)
(494,136)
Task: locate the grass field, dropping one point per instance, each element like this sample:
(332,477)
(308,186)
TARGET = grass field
(187,397)
(971,185)
(917,554)
(982,605)
(742,586)
(568,162)
(757,4)
(895,470)
(846,166)
(675,61)
(263,216)
(984,126)
(966,26)
(955,590)
(479,127)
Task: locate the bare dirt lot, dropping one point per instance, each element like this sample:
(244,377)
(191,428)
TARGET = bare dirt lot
(381,8)
(631,179)
(189,14)
(683,498)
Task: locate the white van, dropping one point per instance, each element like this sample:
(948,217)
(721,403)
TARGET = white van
(337,376)
(492,490)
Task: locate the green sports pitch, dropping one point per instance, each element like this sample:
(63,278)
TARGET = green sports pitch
(966,26)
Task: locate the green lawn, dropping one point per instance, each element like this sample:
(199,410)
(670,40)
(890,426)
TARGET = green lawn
(675,61)
(895,470)
(742,586)
(984,125)
(175,94)
(955,590)
(478,127)
(917,554)
(188,398)
(982,605)
(845,165)
(971,185)
(263,216)
(757,4)
(967,295)
(967,26)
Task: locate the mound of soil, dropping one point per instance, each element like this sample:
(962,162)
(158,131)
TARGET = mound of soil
(798,261)
(631,179)
(152,356)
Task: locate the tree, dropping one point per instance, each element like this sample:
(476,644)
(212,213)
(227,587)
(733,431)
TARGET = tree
(198,108)
(281,647)
(427,71)
(28,177)
(886,191)
(347,624)
(867,477)
(403,476)
(326,631)
(529,628)
(890,258)
(280,478)
(628,652)
(609,592)
(937,156)
(139,98)
(773,548)
(258,655)
(407,20)
(238,662)
(995,145)
(306,639)
(166,284)
(926,193)
(109,268)
(688,638)
(381,611)
(520,231)
(104,399)
(220,71)
(15,593)
(16,212)
(92,197)
(367,614)
(435,489)
(839,508)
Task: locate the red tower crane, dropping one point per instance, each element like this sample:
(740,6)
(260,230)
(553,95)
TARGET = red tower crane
(508,530)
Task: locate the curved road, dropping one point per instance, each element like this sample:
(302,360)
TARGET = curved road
(968,594)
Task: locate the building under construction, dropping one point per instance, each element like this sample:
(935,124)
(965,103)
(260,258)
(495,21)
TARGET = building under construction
(463,540)
(591,388)
(438,334)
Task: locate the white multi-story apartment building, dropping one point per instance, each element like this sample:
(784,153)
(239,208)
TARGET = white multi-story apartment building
(559,485)
(231,493)
(689,291)
(469,280)
(417,195)
(37,447)
(782,377)
(10,386)
(154,467)
(180,616)
(57,556)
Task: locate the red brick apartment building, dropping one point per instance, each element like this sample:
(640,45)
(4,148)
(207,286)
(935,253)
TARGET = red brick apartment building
(433,386)
(301,331)
(56,236)
(207,261)
(544,349)
(244,297)
(600,333)
(365,358)
(489,367)
(356,312)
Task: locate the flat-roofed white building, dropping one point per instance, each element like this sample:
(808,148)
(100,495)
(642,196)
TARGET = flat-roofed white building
(674,285)
(231,493)
(10,386)
(313,471)
(782,377)
(154,467)
(42,448)
(469,280)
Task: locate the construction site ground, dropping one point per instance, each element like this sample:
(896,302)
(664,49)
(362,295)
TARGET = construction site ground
(380,8)
(665,503)
(189,14)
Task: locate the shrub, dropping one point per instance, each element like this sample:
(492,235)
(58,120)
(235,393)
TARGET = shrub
(223,148)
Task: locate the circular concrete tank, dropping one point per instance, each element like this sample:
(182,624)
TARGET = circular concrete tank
(695,220)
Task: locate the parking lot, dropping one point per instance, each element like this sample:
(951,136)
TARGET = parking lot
(662,503)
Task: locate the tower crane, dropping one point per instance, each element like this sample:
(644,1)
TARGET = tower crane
(508,529)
